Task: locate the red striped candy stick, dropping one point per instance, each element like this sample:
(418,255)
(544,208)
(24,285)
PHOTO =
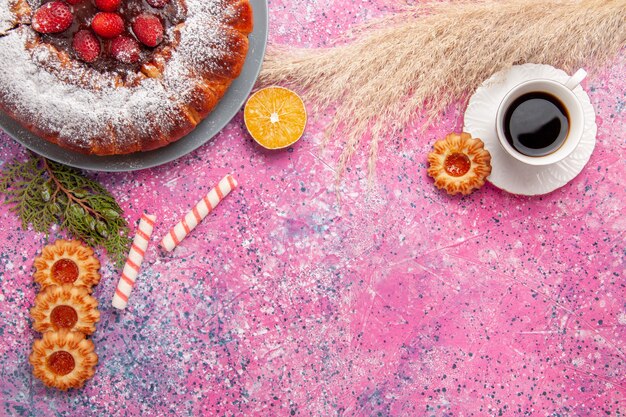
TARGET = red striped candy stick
(199,212)
(133,263)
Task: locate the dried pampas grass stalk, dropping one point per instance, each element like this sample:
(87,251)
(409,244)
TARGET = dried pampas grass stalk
(430,56)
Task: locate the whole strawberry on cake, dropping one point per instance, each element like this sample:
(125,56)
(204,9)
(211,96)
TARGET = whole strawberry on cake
(109,77)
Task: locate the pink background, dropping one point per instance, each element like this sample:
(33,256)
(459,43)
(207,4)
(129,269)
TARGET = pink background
(397,301)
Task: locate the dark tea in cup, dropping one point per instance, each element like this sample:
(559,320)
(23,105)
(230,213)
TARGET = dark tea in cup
(541,121)
(536,124)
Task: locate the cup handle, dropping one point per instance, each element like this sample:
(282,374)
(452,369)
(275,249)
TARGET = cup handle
(576,79)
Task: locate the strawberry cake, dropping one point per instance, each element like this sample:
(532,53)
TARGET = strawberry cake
(107,77)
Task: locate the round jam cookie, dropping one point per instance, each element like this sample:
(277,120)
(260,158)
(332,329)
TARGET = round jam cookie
(459,163)
(63,359)
(67,262)
(119,97)
(65,307)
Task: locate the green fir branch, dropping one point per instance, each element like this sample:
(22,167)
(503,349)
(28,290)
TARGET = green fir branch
(43,193)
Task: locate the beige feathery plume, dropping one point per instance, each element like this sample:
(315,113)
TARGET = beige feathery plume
(430,56)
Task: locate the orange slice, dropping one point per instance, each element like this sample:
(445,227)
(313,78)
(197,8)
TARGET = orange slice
(275,117)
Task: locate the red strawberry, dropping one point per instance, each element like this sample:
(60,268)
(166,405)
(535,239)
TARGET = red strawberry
(107,25)
(108,5)
(86,45)
(125,49)
(52,17)
(158,3)
(73,2)
(148,29)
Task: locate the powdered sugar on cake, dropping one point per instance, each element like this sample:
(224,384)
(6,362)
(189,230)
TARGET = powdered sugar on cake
(69,99)
(202,44)
(12,13)
(7,19)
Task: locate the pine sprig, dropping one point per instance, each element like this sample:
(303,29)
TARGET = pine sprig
(43,193)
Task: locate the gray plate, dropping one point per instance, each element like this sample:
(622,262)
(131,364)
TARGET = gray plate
(227,108)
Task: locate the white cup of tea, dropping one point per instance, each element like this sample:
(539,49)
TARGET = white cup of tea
(541,121)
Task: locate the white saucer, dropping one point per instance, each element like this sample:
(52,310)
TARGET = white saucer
(507,172)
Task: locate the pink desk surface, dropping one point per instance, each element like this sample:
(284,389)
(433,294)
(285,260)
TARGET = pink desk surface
(400,301)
